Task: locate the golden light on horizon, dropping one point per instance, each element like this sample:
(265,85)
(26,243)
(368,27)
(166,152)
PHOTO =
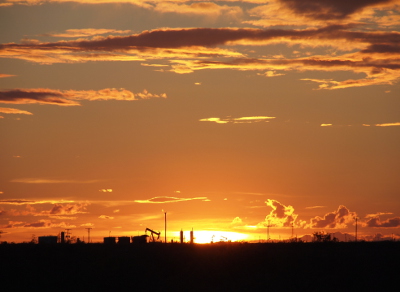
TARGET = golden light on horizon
(208,236)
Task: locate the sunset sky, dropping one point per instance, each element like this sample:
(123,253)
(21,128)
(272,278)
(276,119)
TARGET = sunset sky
(230,116)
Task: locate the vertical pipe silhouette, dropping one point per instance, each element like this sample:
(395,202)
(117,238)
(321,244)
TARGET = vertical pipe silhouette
(181,236)
(165,225)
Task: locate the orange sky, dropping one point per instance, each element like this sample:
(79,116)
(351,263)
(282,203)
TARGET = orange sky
(228,115)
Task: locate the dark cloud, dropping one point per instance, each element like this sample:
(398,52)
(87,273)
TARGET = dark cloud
(42,96)
(329,9)
(69,98)
(389,223)
(206,37)
(336,219)
(40,224)
(68,209)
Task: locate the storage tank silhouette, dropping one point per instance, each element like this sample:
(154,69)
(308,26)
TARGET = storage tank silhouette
(48,239)
(109,240)
(141,239)
(124,240)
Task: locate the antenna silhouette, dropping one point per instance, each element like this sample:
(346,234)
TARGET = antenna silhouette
(88,231)
(268,226)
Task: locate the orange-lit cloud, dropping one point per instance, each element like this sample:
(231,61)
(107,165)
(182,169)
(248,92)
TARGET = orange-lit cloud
(72,33)
(70,97)
(377,214)
(106,190)
(166,199)
(237,222)
(32,202)
(280,216)
(6,75)
(336,219)
(13,111)
(374,53)
(313,13)
(315,207)
(241,120)
(105,217)
(51,181)
(388,124)
(209,9)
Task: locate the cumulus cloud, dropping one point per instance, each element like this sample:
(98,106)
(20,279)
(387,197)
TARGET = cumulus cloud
(388,223)
(237,222)
(280,216)
(166,199)
(336,219)
(70,97)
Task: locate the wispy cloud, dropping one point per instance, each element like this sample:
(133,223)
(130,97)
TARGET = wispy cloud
(366,50)
(85,32)
(166,199)
(106,217)
(70,97)
(33,202)
(378,214)
(315,207)
(5,110)
(44,223)
(241,120)
(6,75)
(51,181)
(388,124)
(106,190)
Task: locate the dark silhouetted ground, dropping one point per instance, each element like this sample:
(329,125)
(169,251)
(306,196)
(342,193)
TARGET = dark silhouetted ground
(362,266)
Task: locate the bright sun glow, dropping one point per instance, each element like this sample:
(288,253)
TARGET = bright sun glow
(206,236)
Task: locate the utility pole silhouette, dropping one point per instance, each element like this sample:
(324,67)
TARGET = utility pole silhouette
(88,231)
(165,226)
(268,226)
(68,236)
(292,229)
(356,228)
